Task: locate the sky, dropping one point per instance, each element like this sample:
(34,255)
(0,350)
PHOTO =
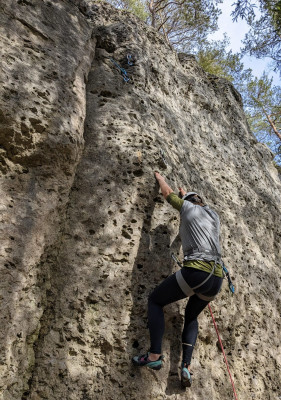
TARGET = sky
(236,32)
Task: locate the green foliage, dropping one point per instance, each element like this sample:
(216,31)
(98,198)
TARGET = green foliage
(137,7)
(261,99)
(215,59)
(244,9)
(264,38)
(262,102)
(184,24)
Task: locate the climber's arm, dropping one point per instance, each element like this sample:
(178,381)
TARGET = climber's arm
(175,201)
(165,188)
(168,193)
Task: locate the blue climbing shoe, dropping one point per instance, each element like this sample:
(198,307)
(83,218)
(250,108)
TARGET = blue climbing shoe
(185,376)
(143,361)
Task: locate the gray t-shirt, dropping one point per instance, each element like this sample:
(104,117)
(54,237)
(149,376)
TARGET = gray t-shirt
(199,230)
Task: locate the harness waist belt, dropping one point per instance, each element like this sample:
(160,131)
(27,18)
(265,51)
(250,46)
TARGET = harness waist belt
(188,291)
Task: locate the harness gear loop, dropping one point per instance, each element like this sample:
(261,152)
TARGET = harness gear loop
(208,277)
(218,260)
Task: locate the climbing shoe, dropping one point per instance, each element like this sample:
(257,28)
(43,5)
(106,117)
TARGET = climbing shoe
(185,376)
(143,361)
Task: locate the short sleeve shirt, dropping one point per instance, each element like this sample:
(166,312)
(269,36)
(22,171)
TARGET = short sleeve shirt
(199,229)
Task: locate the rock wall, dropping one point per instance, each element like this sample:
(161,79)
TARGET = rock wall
(85,233)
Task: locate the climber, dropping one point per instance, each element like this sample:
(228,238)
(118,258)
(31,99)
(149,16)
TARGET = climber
(200,279)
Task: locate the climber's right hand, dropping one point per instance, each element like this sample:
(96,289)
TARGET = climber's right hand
(182,191)
(158,176)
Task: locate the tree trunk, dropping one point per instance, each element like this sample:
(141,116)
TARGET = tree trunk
(152,11)
(271,123)
(273,126)
(163,29)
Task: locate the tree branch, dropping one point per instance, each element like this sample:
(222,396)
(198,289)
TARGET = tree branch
(267,115)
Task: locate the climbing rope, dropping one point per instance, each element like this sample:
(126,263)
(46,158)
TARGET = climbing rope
(215,325)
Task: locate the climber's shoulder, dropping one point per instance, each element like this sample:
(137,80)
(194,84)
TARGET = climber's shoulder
(175,201)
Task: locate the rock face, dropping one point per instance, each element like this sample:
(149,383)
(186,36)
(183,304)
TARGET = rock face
(85,233)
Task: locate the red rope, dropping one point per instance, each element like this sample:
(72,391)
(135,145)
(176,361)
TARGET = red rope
(235,395)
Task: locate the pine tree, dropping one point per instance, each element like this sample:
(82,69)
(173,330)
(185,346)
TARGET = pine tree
(215,59)
(261,98)
(264,38)
(262,103)
(183,24)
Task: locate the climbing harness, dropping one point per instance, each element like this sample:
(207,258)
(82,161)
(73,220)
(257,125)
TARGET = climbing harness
(223,352)
(225,272)
(188,291)
(193,250)
(122,70)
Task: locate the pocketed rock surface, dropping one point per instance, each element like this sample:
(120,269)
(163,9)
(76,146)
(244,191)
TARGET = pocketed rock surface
(86,235)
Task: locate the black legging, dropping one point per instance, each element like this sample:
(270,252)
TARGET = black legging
(168,292)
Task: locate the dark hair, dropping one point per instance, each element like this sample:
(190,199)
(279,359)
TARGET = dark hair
(195,199)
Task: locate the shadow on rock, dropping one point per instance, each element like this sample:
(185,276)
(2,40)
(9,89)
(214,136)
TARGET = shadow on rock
(153,264)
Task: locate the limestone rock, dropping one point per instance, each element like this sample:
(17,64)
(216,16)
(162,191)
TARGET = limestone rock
(85,233)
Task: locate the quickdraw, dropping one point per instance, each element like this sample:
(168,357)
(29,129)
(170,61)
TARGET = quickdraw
(226,274)
(122,70)
(129,58)
(175,258)
(163,160)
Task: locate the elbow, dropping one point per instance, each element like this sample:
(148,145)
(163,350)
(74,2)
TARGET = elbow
(166,193)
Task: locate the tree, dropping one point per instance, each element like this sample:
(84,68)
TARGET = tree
(137,7)
(183,24)
(262,103)
(186,26)
(215,59)
(261,99)
(264,37)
